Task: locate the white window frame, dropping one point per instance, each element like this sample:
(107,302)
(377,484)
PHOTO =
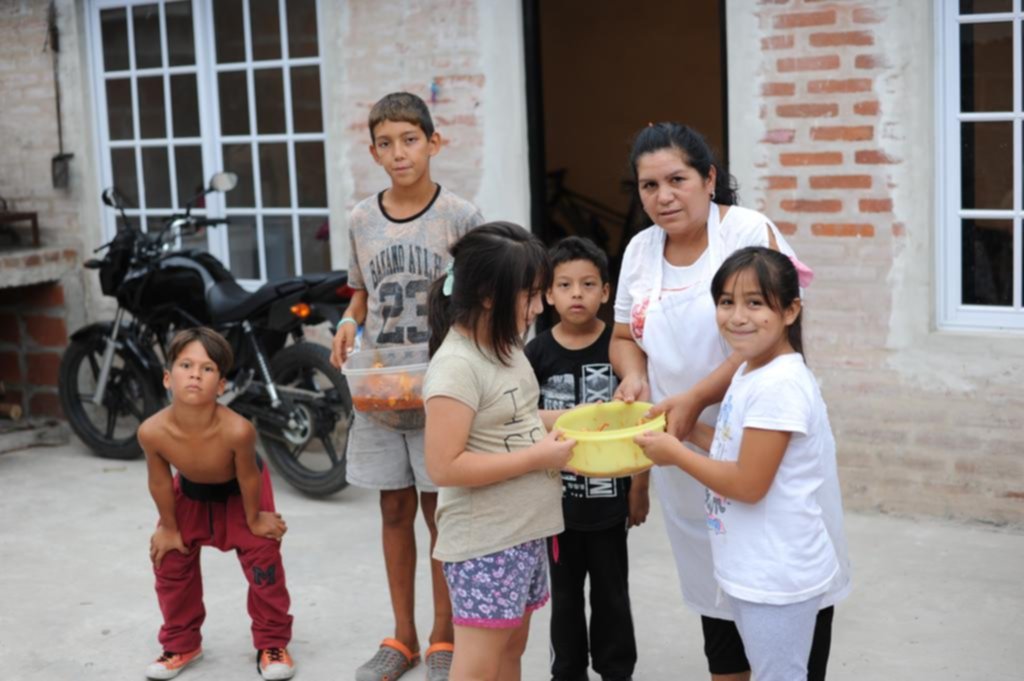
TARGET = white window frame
(206,70)
(952,313)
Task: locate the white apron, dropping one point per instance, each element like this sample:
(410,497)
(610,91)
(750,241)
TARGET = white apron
(682,343)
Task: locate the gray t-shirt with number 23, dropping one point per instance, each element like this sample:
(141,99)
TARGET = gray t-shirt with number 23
(396,261)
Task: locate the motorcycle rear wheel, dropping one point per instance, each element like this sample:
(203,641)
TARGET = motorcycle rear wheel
(108,429)
(311,456)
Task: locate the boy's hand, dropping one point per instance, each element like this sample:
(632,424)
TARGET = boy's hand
(554,452)
(639,503)
(633,388)
(164,541)
(661,448)
(343,344)
(269,525)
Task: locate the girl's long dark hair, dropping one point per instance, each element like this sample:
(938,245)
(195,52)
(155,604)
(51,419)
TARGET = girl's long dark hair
(695,150)
(777,278)
(494,262)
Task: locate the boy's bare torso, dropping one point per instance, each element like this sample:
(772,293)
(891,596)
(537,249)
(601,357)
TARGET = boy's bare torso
(205,454)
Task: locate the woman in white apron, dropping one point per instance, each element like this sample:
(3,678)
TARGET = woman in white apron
(666,348)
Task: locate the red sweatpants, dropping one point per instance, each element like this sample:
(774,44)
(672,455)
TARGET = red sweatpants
(179,583)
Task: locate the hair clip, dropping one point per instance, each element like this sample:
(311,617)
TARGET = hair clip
(804,274)
(449,279)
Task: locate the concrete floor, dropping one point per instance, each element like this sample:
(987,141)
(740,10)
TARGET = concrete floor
(932,600)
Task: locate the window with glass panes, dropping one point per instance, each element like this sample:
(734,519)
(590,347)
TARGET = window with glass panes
(190,88)
(981,183)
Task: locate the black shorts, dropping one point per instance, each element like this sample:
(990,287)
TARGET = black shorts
(724,648)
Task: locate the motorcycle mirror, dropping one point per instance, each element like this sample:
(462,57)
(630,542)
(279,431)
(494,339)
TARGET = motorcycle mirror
(111,197)
(223,182)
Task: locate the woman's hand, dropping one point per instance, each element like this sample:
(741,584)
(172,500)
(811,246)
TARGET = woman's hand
(681,412)
(633,388)
(661,448)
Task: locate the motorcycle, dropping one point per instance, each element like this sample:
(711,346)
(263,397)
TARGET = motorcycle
(111,375)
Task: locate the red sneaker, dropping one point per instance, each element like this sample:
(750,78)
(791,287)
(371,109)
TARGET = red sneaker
(275,664)
(169,665)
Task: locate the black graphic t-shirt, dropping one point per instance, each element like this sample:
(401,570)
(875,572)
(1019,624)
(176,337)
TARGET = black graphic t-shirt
(568,378)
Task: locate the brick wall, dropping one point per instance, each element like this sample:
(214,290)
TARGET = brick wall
(40,305)
(28,120)
(403,45)
(926,421)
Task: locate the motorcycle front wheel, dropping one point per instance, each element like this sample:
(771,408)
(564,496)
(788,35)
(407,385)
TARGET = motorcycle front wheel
(108,428)
(310,455)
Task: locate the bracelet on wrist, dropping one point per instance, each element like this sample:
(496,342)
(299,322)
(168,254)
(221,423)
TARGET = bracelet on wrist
(346,320)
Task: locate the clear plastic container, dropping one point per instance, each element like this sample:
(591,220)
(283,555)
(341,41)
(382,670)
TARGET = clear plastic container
(604,438)
(387,384)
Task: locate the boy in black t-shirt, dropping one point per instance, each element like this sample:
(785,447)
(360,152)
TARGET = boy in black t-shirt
(572,367)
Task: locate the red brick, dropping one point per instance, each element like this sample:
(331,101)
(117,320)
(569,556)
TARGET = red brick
(866,15)
(779,182)
(819,158)
(842,229)
(812,205)
(777,89)
(9,329)
(47,331)
(10,396)
(45,404)
(802,19)
(69,254)
(872,157)
(786,227)
(777,42)
(43,295)
(780,136)
(807,110)
(842,38)
(839,85)
(43,368)
(841,182)
(875,205)
(842,133)
(899,229)
(10,367)
(869,61)
(869,108)
(51,256)
(826,62)
(32,261)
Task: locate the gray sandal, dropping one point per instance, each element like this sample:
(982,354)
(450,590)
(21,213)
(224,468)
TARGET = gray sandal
(390,661)
(439,661)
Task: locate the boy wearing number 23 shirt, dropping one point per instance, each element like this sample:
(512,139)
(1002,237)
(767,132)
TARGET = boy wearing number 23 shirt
(399,241)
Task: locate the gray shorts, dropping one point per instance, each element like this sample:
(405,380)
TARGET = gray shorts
(385,459)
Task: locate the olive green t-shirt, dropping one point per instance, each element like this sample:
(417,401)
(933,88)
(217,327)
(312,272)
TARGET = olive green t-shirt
(476,521)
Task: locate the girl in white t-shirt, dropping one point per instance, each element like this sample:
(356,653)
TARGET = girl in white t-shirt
(772,502)
(488,448)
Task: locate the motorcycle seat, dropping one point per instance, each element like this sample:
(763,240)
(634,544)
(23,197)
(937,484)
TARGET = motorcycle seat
(229,302)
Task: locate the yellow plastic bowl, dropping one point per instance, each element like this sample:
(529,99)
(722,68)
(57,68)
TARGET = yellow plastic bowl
(604,438)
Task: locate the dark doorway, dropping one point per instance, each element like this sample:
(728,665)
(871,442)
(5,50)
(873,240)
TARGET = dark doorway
(596,72)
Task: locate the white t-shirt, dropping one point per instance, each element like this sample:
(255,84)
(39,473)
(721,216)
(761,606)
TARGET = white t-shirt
(789,546)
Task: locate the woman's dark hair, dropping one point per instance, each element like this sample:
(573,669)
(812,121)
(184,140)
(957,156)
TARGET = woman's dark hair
(494,262)
(579,248)
(776,277)
(695,150)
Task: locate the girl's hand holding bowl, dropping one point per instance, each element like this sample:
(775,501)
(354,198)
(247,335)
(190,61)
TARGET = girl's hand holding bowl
(660,447)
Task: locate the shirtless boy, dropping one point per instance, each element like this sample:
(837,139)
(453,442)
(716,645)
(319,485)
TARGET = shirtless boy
(221,497)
